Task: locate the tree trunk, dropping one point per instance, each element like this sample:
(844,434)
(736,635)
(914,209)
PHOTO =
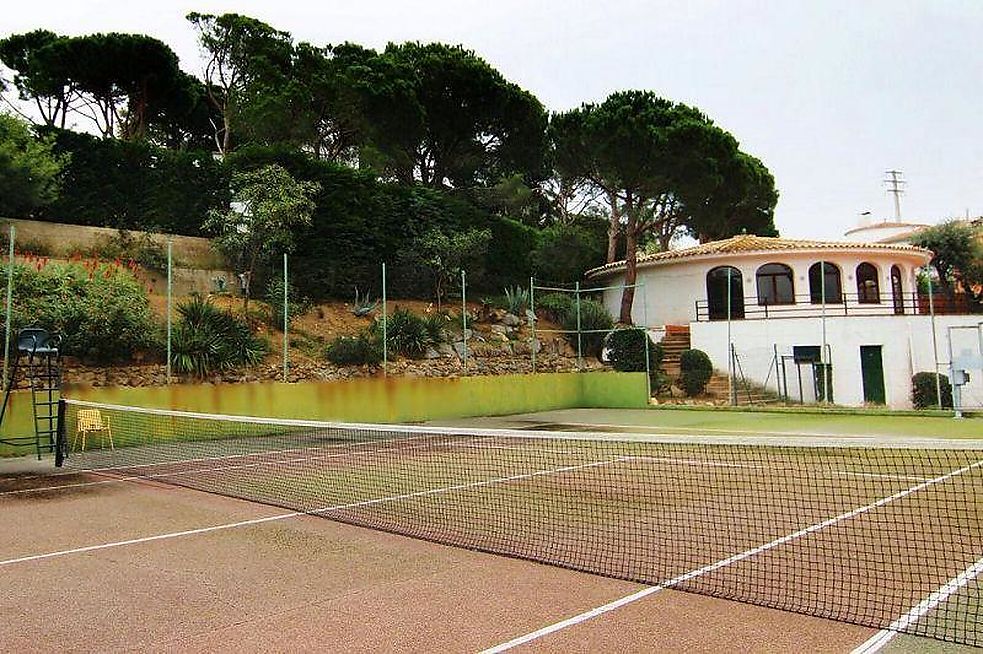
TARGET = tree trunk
(614,227)
(631,263)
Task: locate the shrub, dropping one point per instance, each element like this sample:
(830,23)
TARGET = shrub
(923,390)
(139,247)
(101,311)
(517,300)
(362,349)
(626,351)
(555,306)
(595,322)
(209,338)
(409,334)
(695,370)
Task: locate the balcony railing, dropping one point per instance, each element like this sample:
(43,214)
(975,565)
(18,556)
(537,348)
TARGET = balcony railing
(807,306)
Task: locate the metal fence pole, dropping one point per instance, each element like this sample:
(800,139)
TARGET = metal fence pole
(385,320)
(170,283)
(464,318)
(731,387)
(580,347)
(532,321)
(286,317)
(935,344)
(10,302)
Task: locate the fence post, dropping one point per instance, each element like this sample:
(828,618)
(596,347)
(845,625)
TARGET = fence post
(935,344)
(580,347)
(286,317)
(385,326)
(464,318)
(10,300)
(170,319)
(532,321)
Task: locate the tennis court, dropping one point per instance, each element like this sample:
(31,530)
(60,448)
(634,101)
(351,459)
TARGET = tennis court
(822,543)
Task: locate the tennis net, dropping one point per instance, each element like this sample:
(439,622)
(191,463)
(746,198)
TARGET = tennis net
(887,534)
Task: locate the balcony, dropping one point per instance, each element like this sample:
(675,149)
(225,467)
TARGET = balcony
(806,306)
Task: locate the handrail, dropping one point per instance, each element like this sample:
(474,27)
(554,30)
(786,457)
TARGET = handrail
(844,304)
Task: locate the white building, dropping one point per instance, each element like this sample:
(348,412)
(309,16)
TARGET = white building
(797,305)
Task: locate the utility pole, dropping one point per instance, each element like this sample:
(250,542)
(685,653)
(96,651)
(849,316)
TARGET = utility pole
(895,187)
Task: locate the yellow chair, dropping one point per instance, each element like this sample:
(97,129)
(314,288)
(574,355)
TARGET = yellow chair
(91,421)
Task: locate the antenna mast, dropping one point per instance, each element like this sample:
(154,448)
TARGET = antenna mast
(895,187)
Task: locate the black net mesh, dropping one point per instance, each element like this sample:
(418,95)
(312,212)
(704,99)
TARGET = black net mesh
(886,535)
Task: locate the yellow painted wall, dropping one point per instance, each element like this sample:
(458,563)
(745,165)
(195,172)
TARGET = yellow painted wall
(395,399)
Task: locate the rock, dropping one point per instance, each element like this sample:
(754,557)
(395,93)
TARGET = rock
(447,351)
(499,329)
(431,353)
(511,320)
(459,349)
(498,315)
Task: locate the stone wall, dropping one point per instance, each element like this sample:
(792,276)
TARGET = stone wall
(156,375)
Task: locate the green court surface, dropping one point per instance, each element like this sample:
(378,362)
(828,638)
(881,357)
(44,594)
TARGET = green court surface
(746,423)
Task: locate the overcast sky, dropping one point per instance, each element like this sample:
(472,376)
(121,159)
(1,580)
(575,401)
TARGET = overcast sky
(829,95)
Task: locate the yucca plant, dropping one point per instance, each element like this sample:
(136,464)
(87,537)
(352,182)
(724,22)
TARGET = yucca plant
(517,300)
(209,338)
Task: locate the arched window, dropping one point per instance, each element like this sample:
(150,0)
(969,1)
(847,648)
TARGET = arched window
(775,284)
(868,289)
(834,292)
(897,291)
(717,295)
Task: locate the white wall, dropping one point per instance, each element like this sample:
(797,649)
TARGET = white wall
(906,349)
(671,288)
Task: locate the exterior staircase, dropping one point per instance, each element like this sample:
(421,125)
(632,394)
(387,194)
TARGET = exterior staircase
(676,340)
(673,343)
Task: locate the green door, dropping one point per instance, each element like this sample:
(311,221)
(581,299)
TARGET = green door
(872,369)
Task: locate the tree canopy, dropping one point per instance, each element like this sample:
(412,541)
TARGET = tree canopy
(957,255)
(664,168)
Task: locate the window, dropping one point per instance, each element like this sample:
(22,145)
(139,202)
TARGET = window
(775,284)
(834,292)
(868,290)
(717,295)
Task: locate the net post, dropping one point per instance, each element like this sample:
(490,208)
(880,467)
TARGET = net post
(464,319)
(170,280)
(385,319)
(532,321)
(286,318)
(580,348)
(61,441)
(10,301)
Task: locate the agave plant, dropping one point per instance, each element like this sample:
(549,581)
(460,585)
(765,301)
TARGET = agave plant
(365,305)
(517,300)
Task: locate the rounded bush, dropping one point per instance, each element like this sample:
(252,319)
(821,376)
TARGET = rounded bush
(358,350)
(208,338)
(923,391)
(626,351)
(695,370)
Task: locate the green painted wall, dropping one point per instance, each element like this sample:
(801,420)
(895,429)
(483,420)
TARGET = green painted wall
(377,399)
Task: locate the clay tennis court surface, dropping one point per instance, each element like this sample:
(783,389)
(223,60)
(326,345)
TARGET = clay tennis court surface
(312,584)
(306,583)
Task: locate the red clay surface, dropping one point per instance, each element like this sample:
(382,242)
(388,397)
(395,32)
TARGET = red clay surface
(310,584)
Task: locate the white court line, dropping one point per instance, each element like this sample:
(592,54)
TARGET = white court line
(751,466)
(294,514)
(645,592)
(915,613)
(275,462)
(224,457)
(181,473)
